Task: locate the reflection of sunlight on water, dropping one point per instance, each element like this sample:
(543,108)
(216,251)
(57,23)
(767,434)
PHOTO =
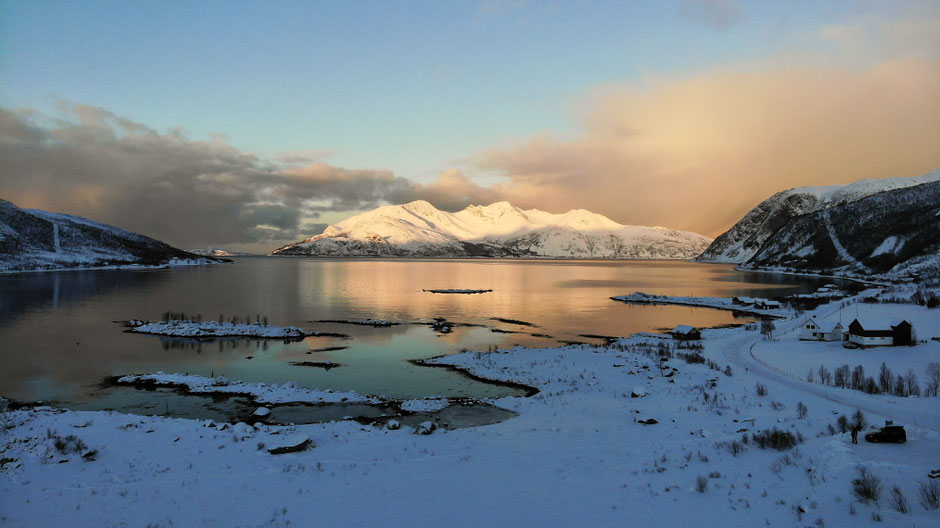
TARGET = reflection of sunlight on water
(57,340)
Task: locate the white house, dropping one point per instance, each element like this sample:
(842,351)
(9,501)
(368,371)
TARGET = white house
(815,330)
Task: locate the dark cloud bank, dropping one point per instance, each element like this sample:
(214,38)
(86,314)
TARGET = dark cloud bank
(96,164)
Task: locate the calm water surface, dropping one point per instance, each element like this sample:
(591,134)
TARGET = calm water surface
(58,338)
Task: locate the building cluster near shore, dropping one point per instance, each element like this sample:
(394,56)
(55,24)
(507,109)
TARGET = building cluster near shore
(861,332)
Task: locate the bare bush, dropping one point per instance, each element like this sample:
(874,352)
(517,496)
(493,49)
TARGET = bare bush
(930,494)
(867,487)
(801,410)
(933,379)
(842,423)
(734,447)
(778,439)
(898,502)
(842,376)
(767,329)
(858,421)
(910,383)
(761,389)
(885,378)
(701,484)
(66,445)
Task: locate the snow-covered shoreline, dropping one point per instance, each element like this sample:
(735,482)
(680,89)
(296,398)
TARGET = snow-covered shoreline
(173,263)
(191,328)
(718,303)
(577,454)
(260,392)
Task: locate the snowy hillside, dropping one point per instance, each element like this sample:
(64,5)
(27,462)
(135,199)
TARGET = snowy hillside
(39,240)
(418,229)
(893,234)
(740,243)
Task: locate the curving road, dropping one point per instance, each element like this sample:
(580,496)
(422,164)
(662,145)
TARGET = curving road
(921,413)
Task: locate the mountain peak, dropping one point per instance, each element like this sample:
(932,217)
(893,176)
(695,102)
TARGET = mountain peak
(418,229)
(743,241)
(420,205)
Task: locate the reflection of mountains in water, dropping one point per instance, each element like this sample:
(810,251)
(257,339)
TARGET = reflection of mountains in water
(220,344)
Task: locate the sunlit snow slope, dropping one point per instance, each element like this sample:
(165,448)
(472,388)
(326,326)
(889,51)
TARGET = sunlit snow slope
(418,229)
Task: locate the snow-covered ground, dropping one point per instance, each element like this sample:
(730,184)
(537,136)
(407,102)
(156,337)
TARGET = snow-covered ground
(260,392)
(795,357)
(189,328)
(721,303)
(577,454)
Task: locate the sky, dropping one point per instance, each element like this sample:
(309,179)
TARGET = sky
(254,124)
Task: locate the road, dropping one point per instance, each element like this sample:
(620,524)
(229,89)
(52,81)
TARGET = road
(921,413)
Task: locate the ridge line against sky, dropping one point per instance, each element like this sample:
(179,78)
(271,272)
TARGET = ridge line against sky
(279,120)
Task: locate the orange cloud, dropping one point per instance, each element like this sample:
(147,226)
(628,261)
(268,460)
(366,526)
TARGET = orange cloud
(698,152)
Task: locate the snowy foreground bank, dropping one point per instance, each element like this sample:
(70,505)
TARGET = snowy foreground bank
(577,454)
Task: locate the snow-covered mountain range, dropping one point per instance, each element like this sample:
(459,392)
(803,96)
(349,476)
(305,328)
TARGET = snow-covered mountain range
(31,239)
(868,228)
(418,229)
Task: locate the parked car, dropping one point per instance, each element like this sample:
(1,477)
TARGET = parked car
(888,433)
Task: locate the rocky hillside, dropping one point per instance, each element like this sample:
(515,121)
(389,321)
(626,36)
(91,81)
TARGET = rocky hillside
(740,243)
(872,228)
(39,240)
(418,229)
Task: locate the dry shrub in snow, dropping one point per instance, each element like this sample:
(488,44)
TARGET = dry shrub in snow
(898,502)
(867,487)
(930,495)
(778,439)
(66,445)
(801,410)
(701,484)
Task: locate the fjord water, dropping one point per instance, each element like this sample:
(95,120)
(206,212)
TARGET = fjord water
(59,337)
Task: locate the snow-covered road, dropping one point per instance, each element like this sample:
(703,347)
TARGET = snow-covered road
(918,412)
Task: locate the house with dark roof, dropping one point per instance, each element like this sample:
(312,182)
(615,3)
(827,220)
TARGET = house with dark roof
(686,333)
(872,332)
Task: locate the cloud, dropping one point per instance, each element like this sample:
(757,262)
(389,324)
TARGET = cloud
(299,158)
(717,14)
(93,163)
(697,152)
(914,33)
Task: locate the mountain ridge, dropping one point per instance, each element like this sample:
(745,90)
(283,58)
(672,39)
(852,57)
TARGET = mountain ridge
(34,240)
(885,229)
(418,229)
(745,238)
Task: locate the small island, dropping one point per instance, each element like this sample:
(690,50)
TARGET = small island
(457,291)
(193,328)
